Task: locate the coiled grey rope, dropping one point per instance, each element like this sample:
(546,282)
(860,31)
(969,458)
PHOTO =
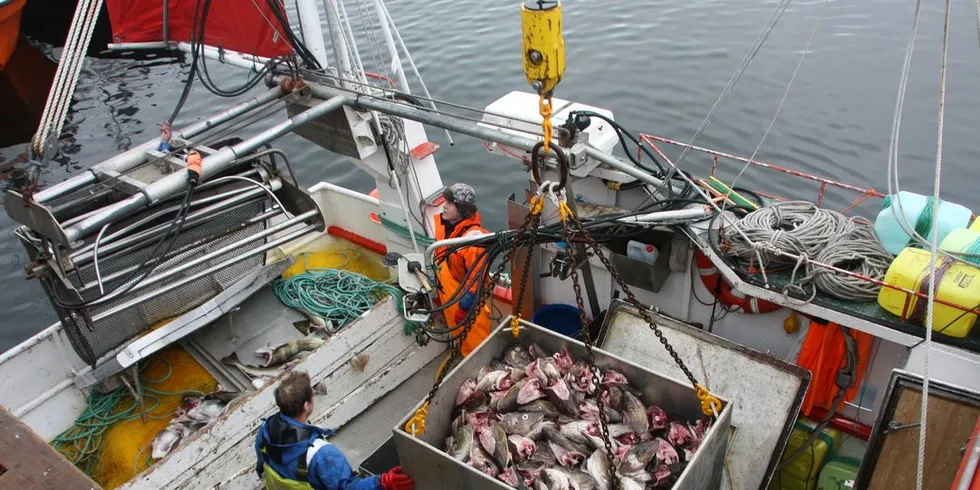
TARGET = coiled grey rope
(798,227)
(805,230)
(860,252)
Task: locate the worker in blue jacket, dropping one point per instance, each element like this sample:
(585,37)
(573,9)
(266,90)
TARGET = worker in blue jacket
(293,455)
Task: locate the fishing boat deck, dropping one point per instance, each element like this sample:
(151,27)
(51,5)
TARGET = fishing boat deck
(26,461)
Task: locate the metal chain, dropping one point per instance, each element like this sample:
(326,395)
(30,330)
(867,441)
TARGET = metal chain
(470,321)
(631,298)
(522,286)
(590,359)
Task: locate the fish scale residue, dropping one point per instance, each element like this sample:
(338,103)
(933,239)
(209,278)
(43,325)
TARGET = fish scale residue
(125,448)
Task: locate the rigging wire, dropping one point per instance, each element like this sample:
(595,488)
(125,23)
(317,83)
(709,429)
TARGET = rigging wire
(736,75)
(782,101)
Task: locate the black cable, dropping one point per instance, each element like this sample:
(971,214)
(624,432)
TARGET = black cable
(175,226)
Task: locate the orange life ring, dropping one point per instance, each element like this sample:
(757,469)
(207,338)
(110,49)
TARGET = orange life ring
(723,290)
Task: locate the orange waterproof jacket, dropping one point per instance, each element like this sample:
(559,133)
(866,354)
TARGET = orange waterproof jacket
(453,270)
(824,354)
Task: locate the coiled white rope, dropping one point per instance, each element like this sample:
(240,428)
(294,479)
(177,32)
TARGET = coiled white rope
(66,77)
(828,237)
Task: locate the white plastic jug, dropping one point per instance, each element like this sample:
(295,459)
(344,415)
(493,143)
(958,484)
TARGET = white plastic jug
(643,252)
(919,211)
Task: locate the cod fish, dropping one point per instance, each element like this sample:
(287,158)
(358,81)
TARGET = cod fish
(627,483)
(517,357)
(522,447)
(658,418)
(666,454)
(559,394)
(537,432)
(582,479)
(510,476)
(679,435)
(638,457)
(612,377)
(635,414)
(543,406)
(468,394)
(662,477)
(493,439)
(524,391)
(462,441)
(556,479)
(287,351)
(597,466)
(520,423)
(563,361)
(256,372)
(567,453)
(165,441)
(480,460)
(494,381)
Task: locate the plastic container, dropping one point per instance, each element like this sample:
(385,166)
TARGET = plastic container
(643,252)
(802,473)
(916,209)
(965,241)
(560,318)
(838,474)
(957,283)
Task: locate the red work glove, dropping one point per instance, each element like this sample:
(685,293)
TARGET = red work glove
(460,316)
(396,480)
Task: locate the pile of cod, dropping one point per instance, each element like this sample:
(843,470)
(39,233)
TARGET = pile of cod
(532,421)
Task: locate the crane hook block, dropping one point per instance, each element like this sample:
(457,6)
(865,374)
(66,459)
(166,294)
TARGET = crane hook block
(544,46)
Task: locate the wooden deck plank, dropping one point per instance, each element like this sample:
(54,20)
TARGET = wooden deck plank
(28,462)
(950,427)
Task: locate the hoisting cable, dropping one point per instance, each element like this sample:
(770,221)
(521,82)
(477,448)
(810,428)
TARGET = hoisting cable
(416,425)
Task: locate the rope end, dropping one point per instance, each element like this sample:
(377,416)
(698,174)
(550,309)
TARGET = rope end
(515,327)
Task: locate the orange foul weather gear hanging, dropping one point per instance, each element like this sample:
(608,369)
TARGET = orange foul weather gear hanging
(833,363)
(453,269)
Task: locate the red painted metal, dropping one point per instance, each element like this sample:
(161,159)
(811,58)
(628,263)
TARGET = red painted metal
(424,149)
(844,424)
(649,139)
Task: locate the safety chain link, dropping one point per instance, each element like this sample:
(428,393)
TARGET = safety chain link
(710,405)
(416,425)
(590,359)
(536,204)
(544,106)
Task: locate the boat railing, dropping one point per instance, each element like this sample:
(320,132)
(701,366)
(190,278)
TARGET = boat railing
(718,159)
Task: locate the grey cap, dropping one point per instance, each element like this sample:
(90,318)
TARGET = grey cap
(463,196)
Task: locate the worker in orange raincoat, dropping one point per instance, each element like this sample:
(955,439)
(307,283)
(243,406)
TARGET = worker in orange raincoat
(460,218)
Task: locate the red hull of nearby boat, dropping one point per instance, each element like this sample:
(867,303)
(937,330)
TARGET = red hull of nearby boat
(9,29)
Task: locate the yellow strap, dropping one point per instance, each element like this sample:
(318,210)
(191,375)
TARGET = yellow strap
(416,424)
(515,327)
(710,405)
(564,211)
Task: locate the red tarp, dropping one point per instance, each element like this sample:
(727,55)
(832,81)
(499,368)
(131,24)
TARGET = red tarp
(245,26)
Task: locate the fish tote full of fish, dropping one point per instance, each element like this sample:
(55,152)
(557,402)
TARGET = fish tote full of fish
(531,420)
